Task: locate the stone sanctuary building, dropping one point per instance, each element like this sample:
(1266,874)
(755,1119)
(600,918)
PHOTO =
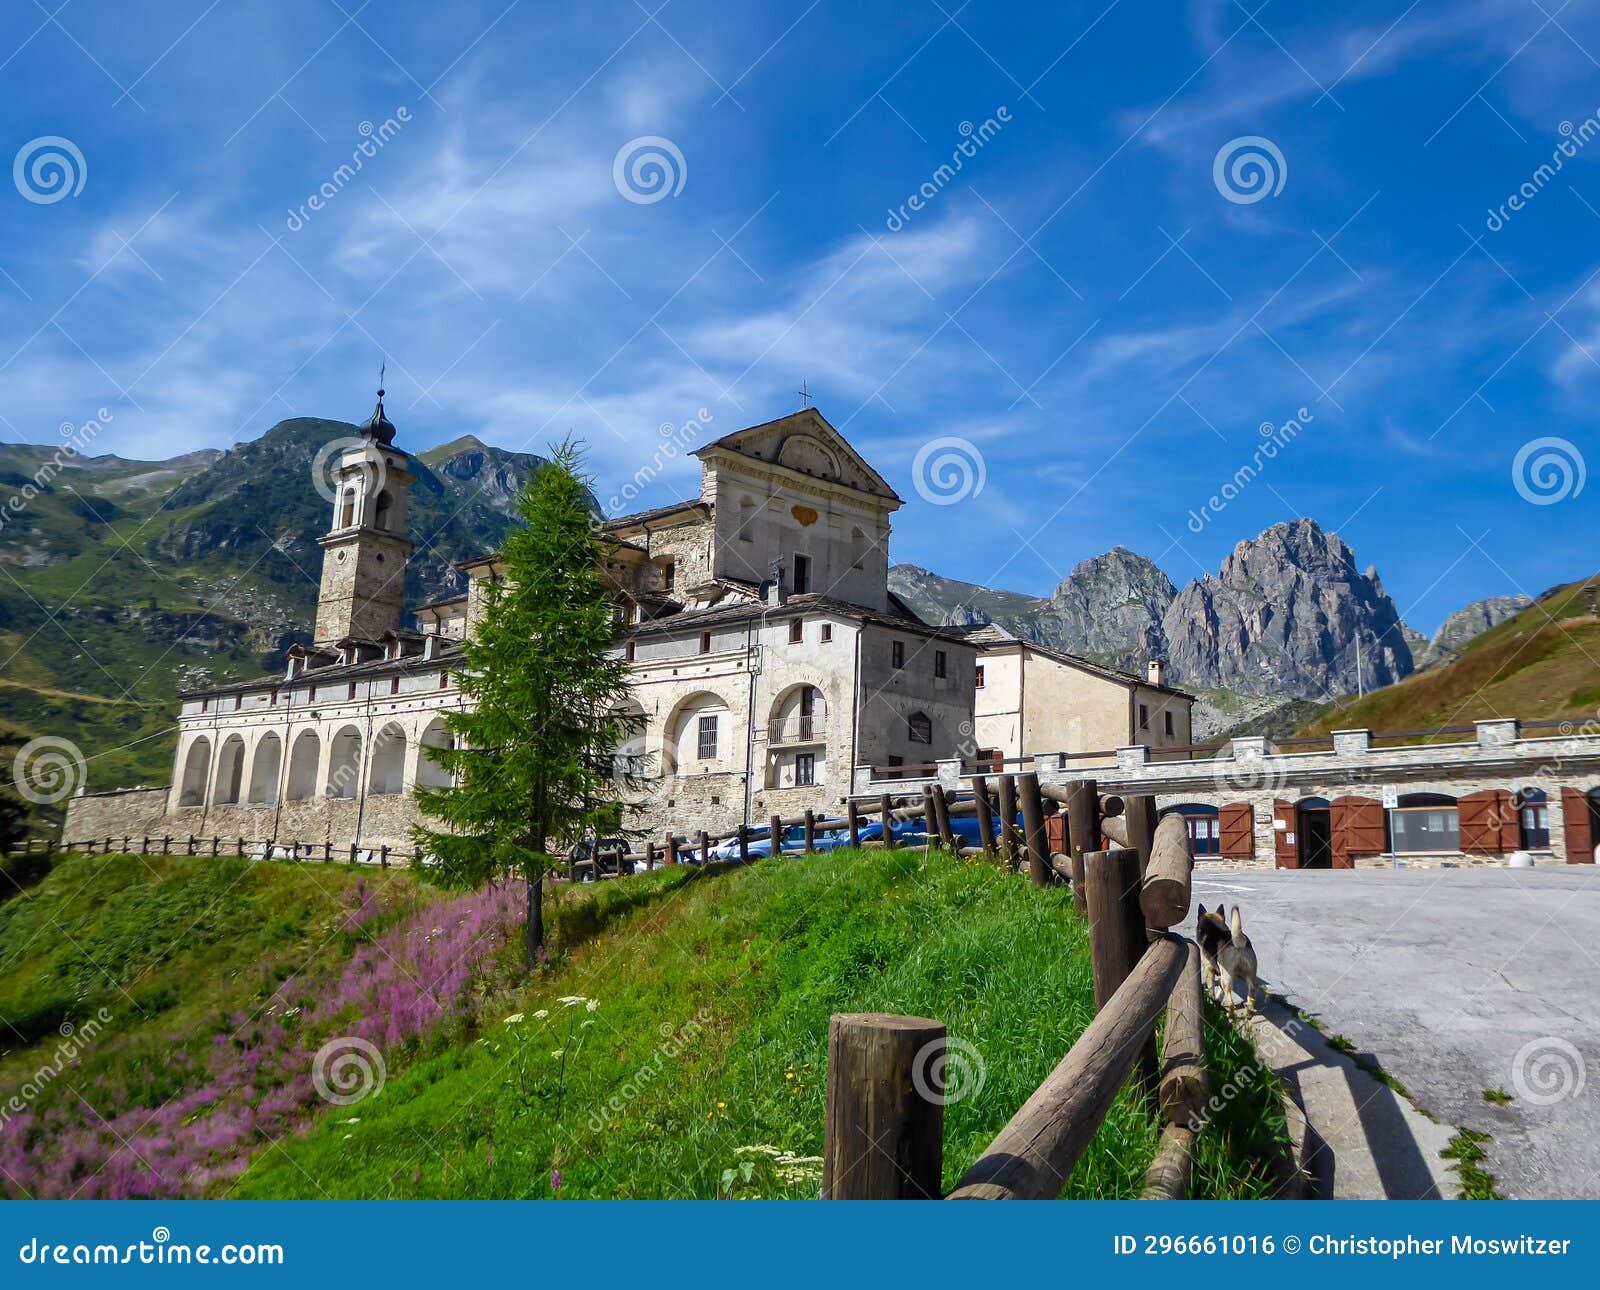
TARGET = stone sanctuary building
(769,660)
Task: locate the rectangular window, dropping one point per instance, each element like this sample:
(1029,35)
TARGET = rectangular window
(311,694)
(669,575)
(444,680)
(1205,838)
(805,770)
(205,705)
(1166,718)
(797,631)
(629,651)
(705,642)
(977,677)
(939,662)
(1535,820)
(394,685)
(802,574)
(897,654)
(708,738)
(238,702)
(274,699)
(895,761)
(827,632)
(1144,716)
(1426,829)
(352,689)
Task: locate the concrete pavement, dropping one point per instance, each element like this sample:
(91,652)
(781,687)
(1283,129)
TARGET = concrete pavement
(1454,981)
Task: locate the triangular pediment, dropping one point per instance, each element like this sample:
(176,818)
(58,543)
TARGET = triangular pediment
(804,442)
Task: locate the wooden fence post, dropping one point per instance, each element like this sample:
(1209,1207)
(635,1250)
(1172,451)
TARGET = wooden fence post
(980,794)
(811,830)
(1183,1053)
(1083,834)
(930,814)
(744,844)
(166,845)
(1139,815)
(1033,829)
(241,846)
(705,847)
(1164,894)
(777,834)
(941,814)
(1008,821)
(1117,938)
(888,824)
(671,856)
(649,857)
(216,845)
(853,816)
(383,856)
(884,1133)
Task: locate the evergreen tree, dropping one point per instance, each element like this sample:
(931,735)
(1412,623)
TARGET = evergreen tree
(532,755)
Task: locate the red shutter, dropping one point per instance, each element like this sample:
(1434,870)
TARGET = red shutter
(1236,829)
(1285,853)
(1575,817)
(1356,824)
(1055,832)
(1479,814)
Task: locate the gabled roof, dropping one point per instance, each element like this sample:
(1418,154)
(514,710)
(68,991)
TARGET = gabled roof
(656,513)
(807,444)
(993,636)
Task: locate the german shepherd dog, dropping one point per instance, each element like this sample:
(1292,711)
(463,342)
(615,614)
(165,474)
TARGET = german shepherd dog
(1224,946)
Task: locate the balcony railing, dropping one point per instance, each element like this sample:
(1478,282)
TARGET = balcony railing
(804,729)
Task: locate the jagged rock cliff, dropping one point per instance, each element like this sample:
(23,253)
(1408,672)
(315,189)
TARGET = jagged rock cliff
(1464,624)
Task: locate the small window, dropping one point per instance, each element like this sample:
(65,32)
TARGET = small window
(394,685)
(669,575)
(205,705)
(311,694)
(382,519)
(705,642)
(1166,720)
(802,574)
(827,632)
(708,738)
(940,663)
(352,693)
(977,677)
(797,631)
(274,700)
(1533,817)
(919,729)
(348,515)
(1144,716)
(628,650)
(805,770)
(444,680)
(897,654)
(747,515)
(895,762)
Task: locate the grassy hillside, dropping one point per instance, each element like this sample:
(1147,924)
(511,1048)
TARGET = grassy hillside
(674,1047)
(1545,662)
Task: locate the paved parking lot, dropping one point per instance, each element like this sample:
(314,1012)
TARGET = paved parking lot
(1455,981)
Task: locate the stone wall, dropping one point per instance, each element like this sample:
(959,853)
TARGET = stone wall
(128,812)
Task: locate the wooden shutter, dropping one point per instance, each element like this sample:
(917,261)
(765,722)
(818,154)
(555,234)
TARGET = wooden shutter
(1236,830)
(1285,852)
(1575,822)
(1356,824)
(1479,814)
(1055,832)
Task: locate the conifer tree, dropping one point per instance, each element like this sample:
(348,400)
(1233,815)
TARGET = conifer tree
(531,757)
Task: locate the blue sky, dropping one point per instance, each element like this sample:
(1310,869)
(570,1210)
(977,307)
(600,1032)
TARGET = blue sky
(1101,310)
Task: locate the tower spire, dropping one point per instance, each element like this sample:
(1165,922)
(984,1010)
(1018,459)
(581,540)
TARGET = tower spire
(378,427)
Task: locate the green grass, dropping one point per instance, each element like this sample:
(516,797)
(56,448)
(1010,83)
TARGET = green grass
(1466,1150)
(1496,1095)
(700,1070)
(699,1073)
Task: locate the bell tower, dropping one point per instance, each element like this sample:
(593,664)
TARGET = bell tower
(364,552)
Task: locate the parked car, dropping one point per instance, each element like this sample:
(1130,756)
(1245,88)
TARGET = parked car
(598,855)
(915,832)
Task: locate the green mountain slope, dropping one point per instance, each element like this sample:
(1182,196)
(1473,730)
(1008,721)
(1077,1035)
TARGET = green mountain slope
(1544,662)
(121,581)
(698,1071)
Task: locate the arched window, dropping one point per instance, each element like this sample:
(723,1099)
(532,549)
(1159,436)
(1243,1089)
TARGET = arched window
(919,729)
(858,548)
(1425,823)
(1533,818)
(264,767)
(230,771)
(388,761)
(304,754)
(344,764)
(196,773)
(381,514)
(430,774)
(747,518)
(347,510)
